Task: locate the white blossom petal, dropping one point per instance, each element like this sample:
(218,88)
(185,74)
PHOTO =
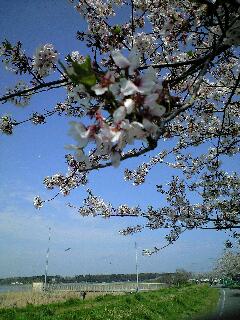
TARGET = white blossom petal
(134,60)
(157,110)
(128,87)
(120,60)
(129,105)
(116,157)
(115,88)
(119,114)
(138,130)
(125,124)
(150,99)
(99,90)
(80,133)
(116,136)
(152,128)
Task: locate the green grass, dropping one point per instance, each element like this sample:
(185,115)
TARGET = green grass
(168,304)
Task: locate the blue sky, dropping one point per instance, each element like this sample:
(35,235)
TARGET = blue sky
(34,152)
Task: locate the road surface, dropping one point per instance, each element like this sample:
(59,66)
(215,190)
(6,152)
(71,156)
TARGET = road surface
(228,306)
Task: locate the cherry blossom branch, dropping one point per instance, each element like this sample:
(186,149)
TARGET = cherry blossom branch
(126,101)
(152,142)
(131,154)
(44,115)
(224,113)
(105,22)
(36,88)
(174,64)
(196,61)
(132,20)
(149,252)
(220,228)
(194,68)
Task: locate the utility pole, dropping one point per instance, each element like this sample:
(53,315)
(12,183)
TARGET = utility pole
(47,256)
(136,265)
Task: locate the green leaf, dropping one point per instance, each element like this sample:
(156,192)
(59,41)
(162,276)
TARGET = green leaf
(116,29)
(190,53)
(84,73)
(82,68)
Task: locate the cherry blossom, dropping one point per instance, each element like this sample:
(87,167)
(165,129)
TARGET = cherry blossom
(44,59)
(228,265)
(131,63)
(164,82)
(38,202)
(106,83)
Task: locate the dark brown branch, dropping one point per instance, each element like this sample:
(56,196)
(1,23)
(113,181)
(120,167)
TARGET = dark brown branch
(224,111)
(45,115)
(126,156)
(174,64)
(194,68)
(132,19)
(219,228)
(169,243)
(36,88)
(105,22)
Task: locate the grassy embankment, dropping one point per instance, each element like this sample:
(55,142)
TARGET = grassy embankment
(22,299)
(167,304)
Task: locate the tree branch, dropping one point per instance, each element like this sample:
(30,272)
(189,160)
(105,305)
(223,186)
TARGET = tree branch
(194,68)
(224,111)
(220,228)
(27,91)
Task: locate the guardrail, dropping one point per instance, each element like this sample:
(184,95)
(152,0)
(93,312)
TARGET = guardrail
(104,287)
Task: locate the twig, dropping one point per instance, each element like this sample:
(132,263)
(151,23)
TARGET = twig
(26,91)
(132,19)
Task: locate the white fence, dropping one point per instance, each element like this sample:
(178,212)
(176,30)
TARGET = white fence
(104,287)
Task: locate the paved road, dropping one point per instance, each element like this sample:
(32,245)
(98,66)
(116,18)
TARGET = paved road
(228,306)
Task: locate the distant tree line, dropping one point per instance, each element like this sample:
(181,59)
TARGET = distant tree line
(174,278)
(82,278)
